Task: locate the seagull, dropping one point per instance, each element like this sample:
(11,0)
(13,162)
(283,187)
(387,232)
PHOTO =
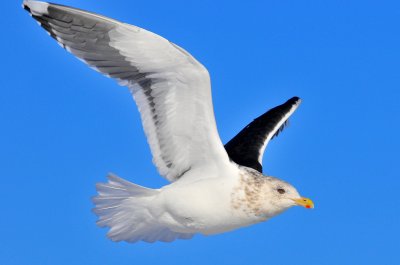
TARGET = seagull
(214,188)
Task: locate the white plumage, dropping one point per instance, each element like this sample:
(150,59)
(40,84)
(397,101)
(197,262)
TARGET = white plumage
(209,193)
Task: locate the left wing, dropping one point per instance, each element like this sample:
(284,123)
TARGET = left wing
(171,88)
(248,146)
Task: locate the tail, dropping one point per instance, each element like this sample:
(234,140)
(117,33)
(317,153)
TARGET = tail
(123,207)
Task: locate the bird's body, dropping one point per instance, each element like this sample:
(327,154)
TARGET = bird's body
(207,202)
(214,188)
(213,199)
(221,203)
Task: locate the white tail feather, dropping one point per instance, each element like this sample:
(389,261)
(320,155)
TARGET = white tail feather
(123,207)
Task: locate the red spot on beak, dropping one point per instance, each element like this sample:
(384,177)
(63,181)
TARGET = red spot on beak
(308,206)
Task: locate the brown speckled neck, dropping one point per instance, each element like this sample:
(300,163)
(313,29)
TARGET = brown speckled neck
(247,196)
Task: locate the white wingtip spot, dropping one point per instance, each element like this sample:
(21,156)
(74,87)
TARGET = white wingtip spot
(35,7)
(61,45)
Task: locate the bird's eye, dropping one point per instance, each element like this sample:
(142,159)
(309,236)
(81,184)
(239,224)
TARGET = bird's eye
(281,191)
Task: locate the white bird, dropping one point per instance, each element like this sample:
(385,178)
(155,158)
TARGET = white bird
(213,189)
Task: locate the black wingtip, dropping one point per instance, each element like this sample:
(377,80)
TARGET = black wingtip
(246,147)
(294,100)
(26,7)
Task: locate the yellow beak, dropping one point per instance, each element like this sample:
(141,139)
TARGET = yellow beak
(305,202)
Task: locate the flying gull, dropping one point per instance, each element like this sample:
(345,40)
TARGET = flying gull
(214,188)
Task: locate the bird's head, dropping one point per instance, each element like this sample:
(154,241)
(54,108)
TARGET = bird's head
(282,195)
(267,196)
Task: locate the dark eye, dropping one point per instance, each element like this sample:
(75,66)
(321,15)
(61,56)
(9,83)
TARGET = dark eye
(281,191)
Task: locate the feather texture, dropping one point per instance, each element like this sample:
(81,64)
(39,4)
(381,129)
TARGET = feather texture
(172,90)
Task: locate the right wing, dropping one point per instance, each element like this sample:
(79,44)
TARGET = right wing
(248,146)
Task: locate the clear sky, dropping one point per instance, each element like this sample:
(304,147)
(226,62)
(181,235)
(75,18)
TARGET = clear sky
(64,126)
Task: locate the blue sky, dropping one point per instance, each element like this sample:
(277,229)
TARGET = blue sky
(64,126)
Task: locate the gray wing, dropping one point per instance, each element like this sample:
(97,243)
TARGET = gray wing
(171,89)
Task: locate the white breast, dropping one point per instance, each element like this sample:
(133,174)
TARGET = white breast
(204,206)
